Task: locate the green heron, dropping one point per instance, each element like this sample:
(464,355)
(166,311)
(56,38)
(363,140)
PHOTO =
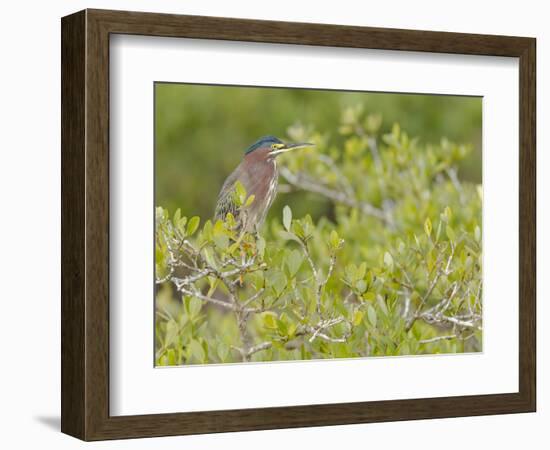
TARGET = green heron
(258,174)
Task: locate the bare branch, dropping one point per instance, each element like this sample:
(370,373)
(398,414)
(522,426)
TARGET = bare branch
(431,287)
(303,182)
(332,263)
(331,339)
(201,296)
(444,303)
(438,338)
(446,338)
(246,354)
(255,296)
(461,323)
(259,348)
(323,325)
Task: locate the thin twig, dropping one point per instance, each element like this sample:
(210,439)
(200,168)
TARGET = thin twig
(212,300)
(304,183)
(317,331)
(437,339)
(255,296)
(445,338)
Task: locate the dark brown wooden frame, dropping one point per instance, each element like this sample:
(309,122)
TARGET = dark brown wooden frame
(85,224)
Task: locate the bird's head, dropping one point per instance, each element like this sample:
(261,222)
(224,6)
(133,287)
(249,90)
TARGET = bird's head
(269,147)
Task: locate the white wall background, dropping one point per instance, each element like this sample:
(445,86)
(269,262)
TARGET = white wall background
(30,225)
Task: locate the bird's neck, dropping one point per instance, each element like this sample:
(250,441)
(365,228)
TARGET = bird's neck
(264,160)
(268,168)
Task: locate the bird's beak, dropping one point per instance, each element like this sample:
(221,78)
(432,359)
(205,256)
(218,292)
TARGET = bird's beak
(289,147)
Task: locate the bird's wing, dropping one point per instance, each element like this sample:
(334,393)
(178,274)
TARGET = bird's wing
(225,203)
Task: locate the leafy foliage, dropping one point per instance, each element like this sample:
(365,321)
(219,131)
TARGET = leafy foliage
(395,269)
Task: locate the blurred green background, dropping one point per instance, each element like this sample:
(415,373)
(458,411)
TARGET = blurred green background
(202,131)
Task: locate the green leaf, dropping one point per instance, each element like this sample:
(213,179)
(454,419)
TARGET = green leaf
(351,273)
(277,280)
(172,331)
(282,327)
(230,220)
(450,233)
(195,306)
(260,246)
(240,193)
(334,239)
(382,304)
(287,217)
(417,242)
(298,229)
(197,351)
(307,223)
(171,356)
(371,315)
(177,216)
(249,200)
(292,329)
(395,130)
(362,270)
(294,260)
(358,317)
(192,225)
(404,349)
(477,234)
(257,280)
(180,224)
(223,351)
(219,228)
(401,246)
(160,214)
(159,255)
(222,241)
(288,236)
(388,260)
(428,227)
(213,283)
(207,230)
(370,296)
(270,320)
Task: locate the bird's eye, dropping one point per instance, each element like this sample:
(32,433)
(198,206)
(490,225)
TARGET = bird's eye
(273,146)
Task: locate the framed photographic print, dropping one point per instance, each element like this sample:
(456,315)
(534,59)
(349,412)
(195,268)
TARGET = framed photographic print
(270,224)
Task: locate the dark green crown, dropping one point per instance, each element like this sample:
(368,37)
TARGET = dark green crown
(264,141)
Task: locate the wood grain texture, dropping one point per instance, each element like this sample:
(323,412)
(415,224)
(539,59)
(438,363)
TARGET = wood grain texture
(527,224)
(85,224)
(73,109)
